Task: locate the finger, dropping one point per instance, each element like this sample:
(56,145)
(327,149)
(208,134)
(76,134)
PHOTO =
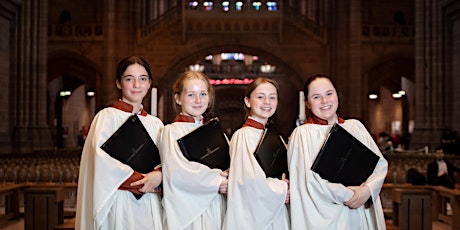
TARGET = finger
(283,176)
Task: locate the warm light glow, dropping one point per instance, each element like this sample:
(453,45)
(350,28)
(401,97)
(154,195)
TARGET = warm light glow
(196,67)
(373,96)
(267,68)
(402,92)
(208,5)
(396,95)
(90,93)
(230,81)
(65,93)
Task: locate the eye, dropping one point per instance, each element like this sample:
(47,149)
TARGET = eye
(273,98)
(144,78)
(204,94)
(260,97)
(315,97)
(128,79)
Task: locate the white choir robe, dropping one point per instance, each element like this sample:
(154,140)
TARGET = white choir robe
(254,201)
(318,204)
(100,204)
(191,197)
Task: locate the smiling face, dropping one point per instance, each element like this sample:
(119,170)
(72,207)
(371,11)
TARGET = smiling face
(194,98)
(262,102)
(322,100)
(134,84)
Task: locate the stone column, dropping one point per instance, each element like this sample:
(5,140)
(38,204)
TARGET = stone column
(30,131)
(451,14)
(429,83)
(356,88)
(8,24)
(346,57)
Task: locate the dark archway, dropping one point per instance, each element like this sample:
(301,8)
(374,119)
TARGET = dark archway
(229,99)
(385,113)
(68,114)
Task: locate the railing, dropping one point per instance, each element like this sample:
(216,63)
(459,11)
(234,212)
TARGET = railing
(441,196)
(159,22)
(78,32)
(12,199)
(305,23)
(388,32)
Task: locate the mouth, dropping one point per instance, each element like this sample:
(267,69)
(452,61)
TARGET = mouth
(267,109)
(327,107)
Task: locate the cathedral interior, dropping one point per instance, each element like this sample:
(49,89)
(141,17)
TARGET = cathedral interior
(395,62)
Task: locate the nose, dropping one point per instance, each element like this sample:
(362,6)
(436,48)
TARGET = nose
(266,100)
(198,98)
(136,83)
(323,99)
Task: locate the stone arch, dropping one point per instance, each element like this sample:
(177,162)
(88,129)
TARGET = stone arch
(67,115)
(289,84)
(387,77)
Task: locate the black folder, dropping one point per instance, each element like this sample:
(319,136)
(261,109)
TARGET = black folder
(271,154)
(207,145)
(344,159)
(131,144)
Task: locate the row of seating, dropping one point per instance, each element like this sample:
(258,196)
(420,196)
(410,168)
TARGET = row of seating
(28,169)
(65,169)
(400,163)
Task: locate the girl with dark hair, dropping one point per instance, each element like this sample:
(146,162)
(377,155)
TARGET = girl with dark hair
(255,201)
(315,202)
(105,185)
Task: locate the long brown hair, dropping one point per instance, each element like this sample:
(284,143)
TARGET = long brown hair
(127,61)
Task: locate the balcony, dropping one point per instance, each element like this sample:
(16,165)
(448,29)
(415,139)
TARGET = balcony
(75,32)
(388,33)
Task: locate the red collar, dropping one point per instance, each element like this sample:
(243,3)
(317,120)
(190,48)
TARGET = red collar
(123,106)
(253,123)
(185,118)
(312,119)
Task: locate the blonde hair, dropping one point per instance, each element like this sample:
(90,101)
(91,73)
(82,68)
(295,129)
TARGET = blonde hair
(178,87)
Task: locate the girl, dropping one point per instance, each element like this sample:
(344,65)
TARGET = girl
(192,191)
(255,201)
(317,203)
(105,185)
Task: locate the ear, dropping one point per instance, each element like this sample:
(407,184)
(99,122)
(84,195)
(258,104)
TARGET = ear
(118,84)
(246,102)
(177,99)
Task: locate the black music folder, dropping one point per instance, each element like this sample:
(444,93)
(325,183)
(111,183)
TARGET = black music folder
(207,145)
(131,144)
(271,154)
(344,159)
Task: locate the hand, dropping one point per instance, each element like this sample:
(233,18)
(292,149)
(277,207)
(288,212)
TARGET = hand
(360,196)
(225,173)
(150,182)
(223,186)
(288,194)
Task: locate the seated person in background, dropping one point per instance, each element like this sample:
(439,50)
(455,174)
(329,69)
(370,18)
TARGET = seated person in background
(384,142)
(440,171)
